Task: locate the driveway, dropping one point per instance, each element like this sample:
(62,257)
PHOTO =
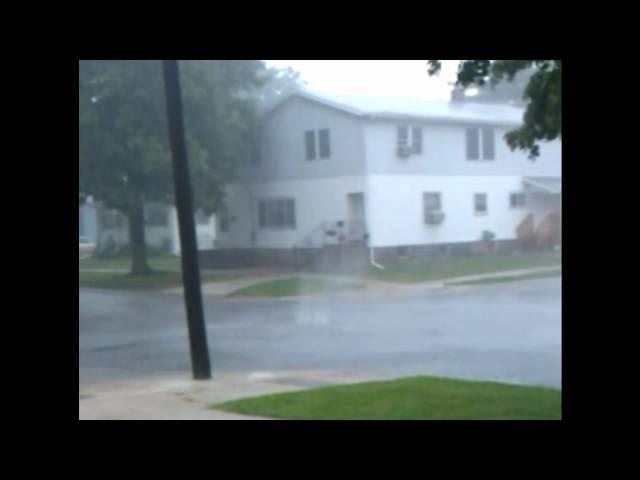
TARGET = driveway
(504,332)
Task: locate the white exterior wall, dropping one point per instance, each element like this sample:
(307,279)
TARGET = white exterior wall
(394,200)
(87,217)
(444,153)
(395,209)
(316,201)
(282,144)
(205,234)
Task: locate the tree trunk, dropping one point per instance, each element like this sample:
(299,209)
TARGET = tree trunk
(137,241)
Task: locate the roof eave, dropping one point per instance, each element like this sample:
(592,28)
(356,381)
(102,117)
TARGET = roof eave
(448,120)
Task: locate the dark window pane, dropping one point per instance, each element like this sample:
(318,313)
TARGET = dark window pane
(323,140)
(480,202)
(403,135)
(488,144)
(432,201)
(416,139)
(472,144)
(310,144)
(517,200)
(277,213)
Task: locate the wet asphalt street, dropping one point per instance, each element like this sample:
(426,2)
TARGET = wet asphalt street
(505,332)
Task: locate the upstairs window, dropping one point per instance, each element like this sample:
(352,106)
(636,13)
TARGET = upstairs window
(310,144)
(488,144)
(323,141)
(317,144)
(480,140)
(410,136)
(473,140)
(416,139)
(403,136)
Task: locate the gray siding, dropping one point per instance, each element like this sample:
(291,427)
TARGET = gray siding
(282,144)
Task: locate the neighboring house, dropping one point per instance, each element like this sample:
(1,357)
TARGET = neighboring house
(88,220)
(161,229)
(402,176)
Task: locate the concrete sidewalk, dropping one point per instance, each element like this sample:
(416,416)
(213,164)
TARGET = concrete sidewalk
(222,288)
(372,287)
(504,273)
(181,398)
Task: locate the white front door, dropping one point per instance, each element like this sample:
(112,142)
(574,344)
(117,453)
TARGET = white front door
(356,221)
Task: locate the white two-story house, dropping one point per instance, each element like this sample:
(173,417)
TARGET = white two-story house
(407,177)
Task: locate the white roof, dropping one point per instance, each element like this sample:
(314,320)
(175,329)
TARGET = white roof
(391,107)
(544,184)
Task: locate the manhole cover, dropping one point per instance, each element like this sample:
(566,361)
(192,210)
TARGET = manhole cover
(84,397)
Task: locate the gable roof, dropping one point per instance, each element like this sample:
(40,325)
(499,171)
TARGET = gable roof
(408,108)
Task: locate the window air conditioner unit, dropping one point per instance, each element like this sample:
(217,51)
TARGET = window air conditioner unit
(404,151)
(434,217)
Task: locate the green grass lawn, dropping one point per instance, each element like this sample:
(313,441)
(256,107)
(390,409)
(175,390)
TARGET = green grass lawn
(418,398)
(510,278)
(168,263)
(125,281)
(425,270)
(295,286)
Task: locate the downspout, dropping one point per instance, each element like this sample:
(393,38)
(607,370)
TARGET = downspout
(372,259)
(372,256)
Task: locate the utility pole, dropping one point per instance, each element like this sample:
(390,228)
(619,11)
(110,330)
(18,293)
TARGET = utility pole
(184,204)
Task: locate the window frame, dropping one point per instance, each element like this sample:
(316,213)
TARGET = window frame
(310,148)
(483,136)
(320,144)
(481,144)
(410,137)
(486,203)
(424,201)
(416,147)
(517,205)
(475,144)
(282,209)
